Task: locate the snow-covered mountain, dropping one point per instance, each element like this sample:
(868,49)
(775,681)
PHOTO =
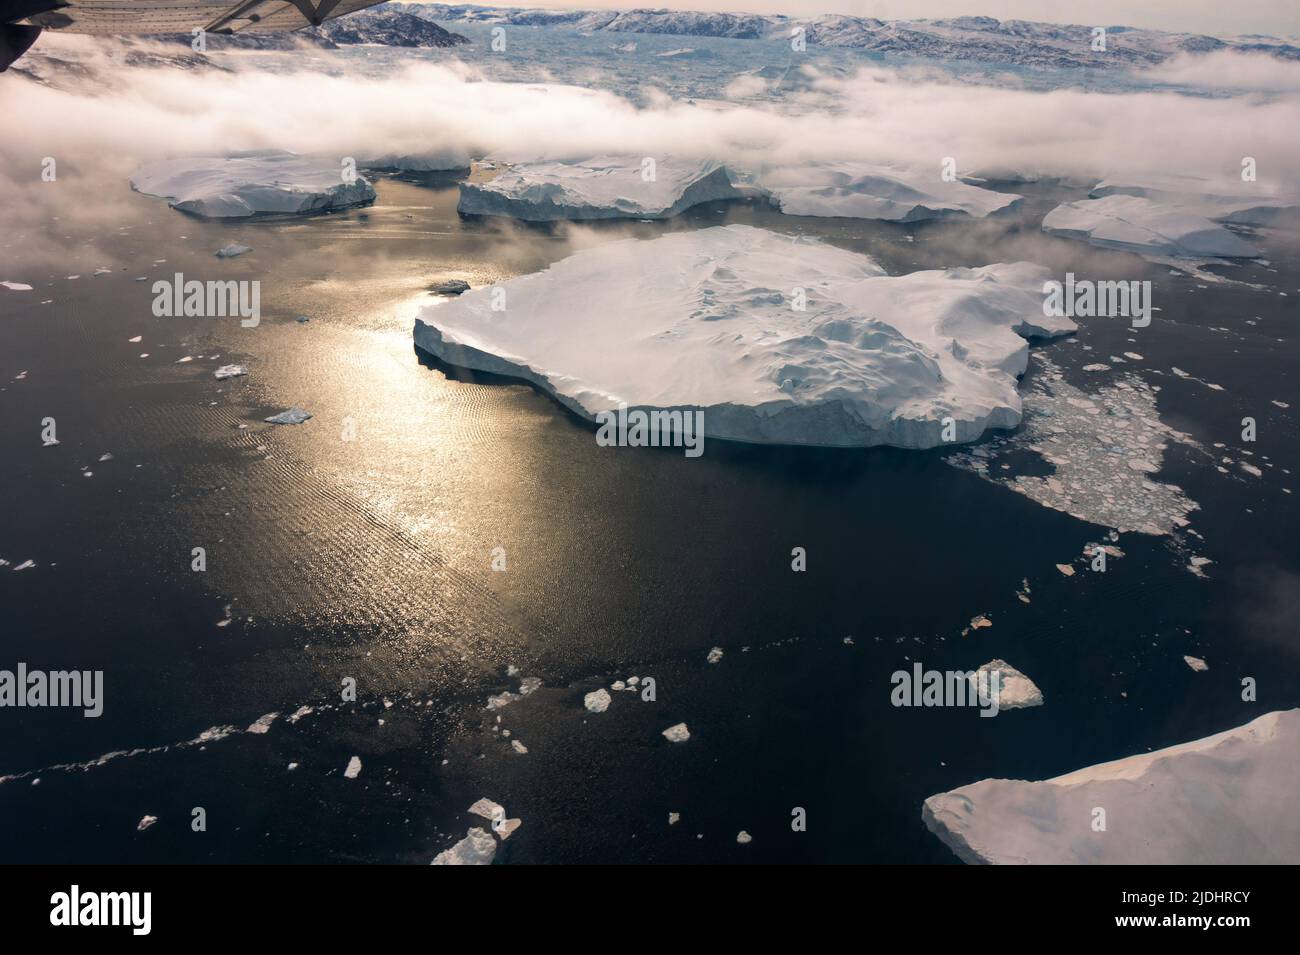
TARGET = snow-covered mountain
(390,26)
(981,39)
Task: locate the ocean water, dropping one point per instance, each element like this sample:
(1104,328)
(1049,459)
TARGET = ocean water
(360,546)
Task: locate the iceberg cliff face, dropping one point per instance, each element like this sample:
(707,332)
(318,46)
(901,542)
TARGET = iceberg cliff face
(868,191)
(1137,224)
(269,182)
(712,320)
(1225,799)
(603,187)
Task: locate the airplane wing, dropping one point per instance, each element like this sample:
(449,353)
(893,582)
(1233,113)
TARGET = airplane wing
(21,21)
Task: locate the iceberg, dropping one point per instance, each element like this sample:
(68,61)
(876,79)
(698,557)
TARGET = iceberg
(448,159)
(1137,224)
(1244,203)
(868,191)
(603,187)
(264,182)
(777,339)
(1225,799)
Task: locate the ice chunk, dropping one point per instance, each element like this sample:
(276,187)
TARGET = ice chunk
(145,822)
(252,183)
(353,769)
(715,655)
(1135,224)
(291,416)
(1196,663)
(477,848)
(1014,689)
(16,286)
(231,250)
(1225,799)
(603,187)
(869,191)
(230,371)
(677,733)
(774,340)
(597,701)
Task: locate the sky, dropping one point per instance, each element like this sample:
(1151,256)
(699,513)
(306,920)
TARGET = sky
(1197,16)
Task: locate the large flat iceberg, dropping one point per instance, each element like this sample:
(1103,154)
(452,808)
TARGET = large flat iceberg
(1149,228)
(1225,799)
(1244,203)
(271,182)
(716,319)
(868,191)
(603,187)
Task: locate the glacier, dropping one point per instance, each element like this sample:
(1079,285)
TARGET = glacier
(1149,228)
(1225,799)
(776,338)
(261,182)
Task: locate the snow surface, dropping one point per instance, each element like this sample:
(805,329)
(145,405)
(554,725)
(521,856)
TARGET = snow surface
(602,187)
(871,191)
(1225,799)
(1137,224)
(251,183)
(707,320)
(1246,203)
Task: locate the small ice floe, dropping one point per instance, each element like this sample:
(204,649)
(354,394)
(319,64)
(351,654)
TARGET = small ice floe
(227,620)
(1251,469)
(519,747)
(1196,563)
(674,818)
(529,684)
(303,319)
(106,456)
(103,271)
(231,250)
(1023,593)
(477,848)
(16,286)
(1065,569)
(263,724)
(1014,689)
(597,701)
(715,655)
(292,767)
(230,371)
(980,622)
(1281,404)
(291,416)
(677,733)
(1133,356)
(145,823)
(450,287)
(1096,366)
(25,565)
(512,670)
(848,641)
(354,768)
(21,376)
(501,700)
(744,838)
(1196,663)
